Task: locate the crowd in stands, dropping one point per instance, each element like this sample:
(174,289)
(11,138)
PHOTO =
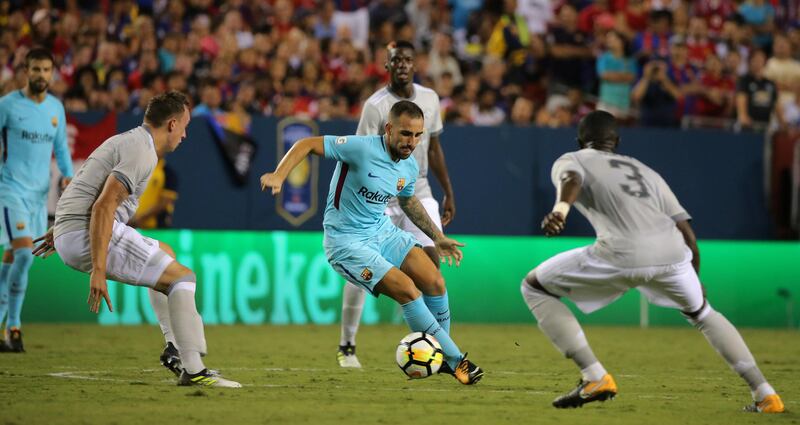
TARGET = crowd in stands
(527,62)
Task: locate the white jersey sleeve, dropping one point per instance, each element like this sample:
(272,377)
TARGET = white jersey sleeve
(370,123)
(563,165)
(436,126)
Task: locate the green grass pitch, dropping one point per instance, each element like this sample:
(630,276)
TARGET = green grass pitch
(85,374)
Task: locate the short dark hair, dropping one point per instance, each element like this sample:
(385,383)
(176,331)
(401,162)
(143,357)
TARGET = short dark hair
(39,53)
(400,44)
(164,106)
(597,127)
(405,107)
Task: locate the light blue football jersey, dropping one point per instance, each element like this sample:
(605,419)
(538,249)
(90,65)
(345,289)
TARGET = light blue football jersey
(365,180)
(30,133)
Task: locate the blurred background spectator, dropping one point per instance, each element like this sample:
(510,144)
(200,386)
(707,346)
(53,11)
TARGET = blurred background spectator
(652,62)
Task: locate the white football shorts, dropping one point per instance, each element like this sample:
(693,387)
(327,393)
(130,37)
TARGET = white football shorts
(592,283)
(132,257)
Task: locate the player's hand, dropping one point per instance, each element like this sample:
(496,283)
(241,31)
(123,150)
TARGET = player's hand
(64,182)
(553,223)
(47,247)
(448,210)
(448,250)
(98,291)
(272,181)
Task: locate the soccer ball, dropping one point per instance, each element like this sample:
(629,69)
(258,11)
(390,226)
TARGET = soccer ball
(419,355)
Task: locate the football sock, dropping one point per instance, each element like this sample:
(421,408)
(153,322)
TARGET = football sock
(4,270)
(352,305)
(559,324)
(439,305)
(17,284)
(187,324)
(727,341)
(420,319)
(160,304)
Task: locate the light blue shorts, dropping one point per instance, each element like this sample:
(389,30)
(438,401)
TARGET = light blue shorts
(364,259)
(21,218)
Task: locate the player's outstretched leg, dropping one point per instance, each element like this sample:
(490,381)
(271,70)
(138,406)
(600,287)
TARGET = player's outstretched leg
(180,284)
(559,324)
(352,305)
(400,287)
(17,286)
(727,341)
(5,267)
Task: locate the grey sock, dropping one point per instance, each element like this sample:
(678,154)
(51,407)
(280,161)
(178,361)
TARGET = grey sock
(160,305)
(727,341)
(187,326)
(560,325)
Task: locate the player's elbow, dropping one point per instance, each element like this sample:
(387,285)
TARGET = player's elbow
(315,145)
(101,207)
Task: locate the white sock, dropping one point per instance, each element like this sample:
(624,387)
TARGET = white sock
(594,372)
(160,305)
(727,341)
(562,328)
(352,306)
(187,326)
(763,391)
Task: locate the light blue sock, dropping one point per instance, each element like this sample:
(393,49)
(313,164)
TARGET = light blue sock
(439,305)
(18,283)
(4,269)
(420,319)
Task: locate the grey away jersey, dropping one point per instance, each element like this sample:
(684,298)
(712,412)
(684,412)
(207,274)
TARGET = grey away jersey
(130,157)
(631,207)
(376,113)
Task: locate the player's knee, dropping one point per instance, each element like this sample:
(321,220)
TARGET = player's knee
(697,316)
(186,281)
(530,281)
(534,294)
(23,257)
(166,248)
(405,291)
(438,287)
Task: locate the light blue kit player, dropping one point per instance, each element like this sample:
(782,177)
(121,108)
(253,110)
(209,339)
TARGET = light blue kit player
(33,126)
(363,245)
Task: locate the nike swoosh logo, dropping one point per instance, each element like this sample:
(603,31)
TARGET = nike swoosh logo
(372,175)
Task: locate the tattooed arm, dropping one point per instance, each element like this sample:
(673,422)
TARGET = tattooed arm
(448,248)
(417,214)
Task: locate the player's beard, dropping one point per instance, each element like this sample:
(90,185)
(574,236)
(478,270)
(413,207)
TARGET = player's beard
(401,154)
(38,86)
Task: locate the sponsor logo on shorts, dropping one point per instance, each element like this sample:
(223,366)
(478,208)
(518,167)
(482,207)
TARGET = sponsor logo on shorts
(341,140)
(21,225)
(401,183)
(366,274)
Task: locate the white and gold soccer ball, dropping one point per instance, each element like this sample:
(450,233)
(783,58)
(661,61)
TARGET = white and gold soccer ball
(419,355)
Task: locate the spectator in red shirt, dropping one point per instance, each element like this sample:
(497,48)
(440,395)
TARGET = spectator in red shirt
(589,14)
(699,44)
(716,97)
(714,12)
(633,18)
